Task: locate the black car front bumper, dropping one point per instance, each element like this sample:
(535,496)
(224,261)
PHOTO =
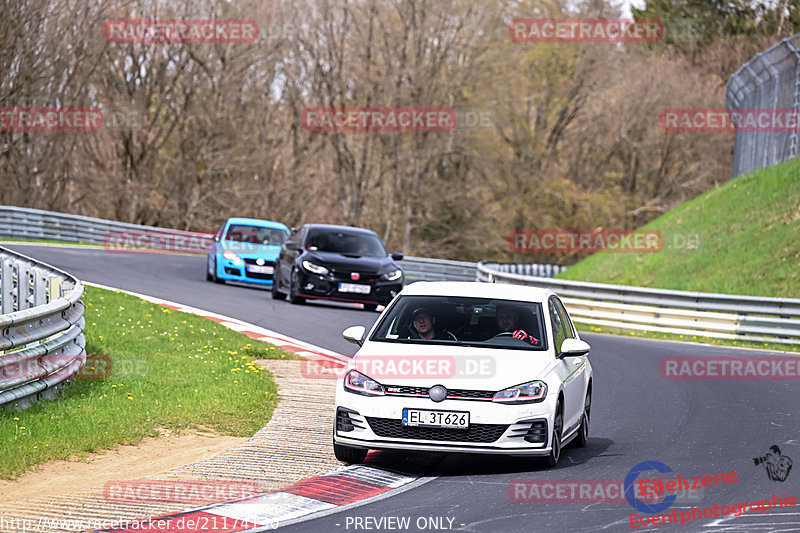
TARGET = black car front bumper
(328,287)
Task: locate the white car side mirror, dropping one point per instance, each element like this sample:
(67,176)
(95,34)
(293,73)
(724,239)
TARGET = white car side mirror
(573,348)
(355,334)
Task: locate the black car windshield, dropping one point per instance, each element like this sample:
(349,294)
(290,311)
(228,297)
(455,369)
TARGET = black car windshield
(255,234)
(481,322)
(344,242)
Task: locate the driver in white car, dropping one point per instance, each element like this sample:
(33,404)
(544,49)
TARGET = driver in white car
(508,322)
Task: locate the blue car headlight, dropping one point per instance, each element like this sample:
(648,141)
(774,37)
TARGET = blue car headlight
(232,257)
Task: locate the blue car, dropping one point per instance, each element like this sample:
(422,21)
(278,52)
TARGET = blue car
(245,250)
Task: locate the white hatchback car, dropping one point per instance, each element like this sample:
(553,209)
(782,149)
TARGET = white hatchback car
(466,367)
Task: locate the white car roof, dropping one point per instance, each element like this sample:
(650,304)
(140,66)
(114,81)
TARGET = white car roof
(503,291)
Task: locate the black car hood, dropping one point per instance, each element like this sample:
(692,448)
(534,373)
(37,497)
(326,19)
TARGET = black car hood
(375,265)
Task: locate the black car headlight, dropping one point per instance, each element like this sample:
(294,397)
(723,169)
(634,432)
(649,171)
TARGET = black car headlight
(392,276)
(531,392)
(314,268)
(358,383)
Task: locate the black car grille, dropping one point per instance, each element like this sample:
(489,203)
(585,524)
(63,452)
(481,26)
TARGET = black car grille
(452,394)
(392,428)
(345,275)
(248,261)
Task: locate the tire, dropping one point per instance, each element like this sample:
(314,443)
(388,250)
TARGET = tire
(293,297)
(370,307)
(583,431)
(214,277)
(208,273)
(558,426)
(276,293)
(349,455)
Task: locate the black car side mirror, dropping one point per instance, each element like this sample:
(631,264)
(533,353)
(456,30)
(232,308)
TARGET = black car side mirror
(397,256)
(293,246)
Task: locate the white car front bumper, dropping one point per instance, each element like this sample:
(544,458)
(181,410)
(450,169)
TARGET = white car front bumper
(376,423)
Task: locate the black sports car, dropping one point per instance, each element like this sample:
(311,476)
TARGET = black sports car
(337,263)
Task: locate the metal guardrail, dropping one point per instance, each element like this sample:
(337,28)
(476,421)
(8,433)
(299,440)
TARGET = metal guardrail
(41,330)
(681,312)
(426,269)
(27,223)
(529,269)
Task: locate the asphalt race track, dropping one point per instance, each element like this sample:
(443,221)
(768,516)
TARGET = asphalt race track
(698,428)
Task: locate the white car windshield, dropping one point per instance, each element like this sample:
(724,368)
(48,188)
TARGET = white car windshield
(481,322)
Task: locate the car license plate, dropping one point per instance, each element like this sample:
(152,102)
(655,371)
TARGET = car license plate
(436,419)
(354,287)
(261,269)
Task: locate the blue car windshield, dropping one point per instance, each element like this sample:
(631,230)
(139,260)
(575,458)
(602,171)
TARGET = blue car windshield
(480,322)
(346,243)
(255,234)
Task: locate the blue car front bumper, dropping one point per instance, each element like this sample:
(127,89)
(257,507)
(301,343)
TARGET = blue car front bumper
(247,271)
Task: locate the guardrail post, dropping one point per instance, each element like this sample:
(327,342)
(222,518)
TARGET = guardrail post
(39,280)
(54,288)
(6,285)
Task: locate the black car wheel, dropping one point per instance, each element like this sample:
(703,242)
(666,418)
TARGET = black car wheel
(583,432)
(349,455)
(293,297)
(276,293)
(555,446)
(214,277)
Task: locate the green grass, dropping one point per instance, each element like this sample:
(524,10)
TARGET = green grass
(169,370)
(743,238)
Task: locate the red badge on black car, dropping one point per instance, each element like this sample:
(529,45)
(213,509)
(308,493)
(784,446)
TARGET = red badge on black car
(355,276)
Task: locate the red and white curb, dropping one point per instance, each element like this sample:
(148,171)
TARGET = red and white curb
(318,495)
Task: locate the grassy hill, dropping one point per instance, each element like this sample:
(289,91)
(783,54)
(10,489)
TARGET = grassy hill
(742,237)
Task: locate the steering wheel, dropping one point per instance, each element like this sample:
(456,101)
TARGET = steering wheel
(451,334)
(504,334)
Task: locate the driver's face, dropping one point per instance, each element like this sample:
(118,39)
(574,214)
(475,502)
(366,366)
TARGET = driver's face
(506,319)
(423,323)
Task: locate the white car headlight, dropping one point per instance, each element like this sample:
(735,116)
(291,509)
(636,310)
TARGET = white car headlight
(531,392)
(358,383)
(391,276)
(232,257)
(316,269)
